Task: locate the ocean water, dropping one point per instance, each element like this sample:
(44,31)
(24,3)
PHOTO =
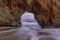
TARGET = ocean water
(30,30)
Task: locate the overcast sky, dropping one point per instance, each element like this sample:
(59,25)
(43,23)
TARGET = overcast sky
(27,17)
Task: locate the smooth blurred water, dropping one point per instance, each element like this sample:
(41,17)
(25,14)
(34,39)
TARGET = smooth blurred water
(29,31)
(29,27)
(28,20)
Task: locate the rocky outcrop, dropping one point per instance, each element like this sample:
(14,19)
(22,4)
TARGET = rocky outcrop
(10,12)
(47,12)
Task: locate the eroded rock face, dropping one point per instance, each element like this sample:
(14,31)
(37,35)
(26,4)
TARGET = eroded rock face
(10,11)
(47,12)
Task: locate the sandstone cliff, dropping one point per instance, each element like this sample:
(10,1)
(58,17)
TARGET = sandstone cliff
(10,11)
(47,12)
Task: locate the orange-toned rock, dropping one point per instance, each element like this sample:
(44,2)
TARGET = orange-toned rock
(10,11)
(47,12)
